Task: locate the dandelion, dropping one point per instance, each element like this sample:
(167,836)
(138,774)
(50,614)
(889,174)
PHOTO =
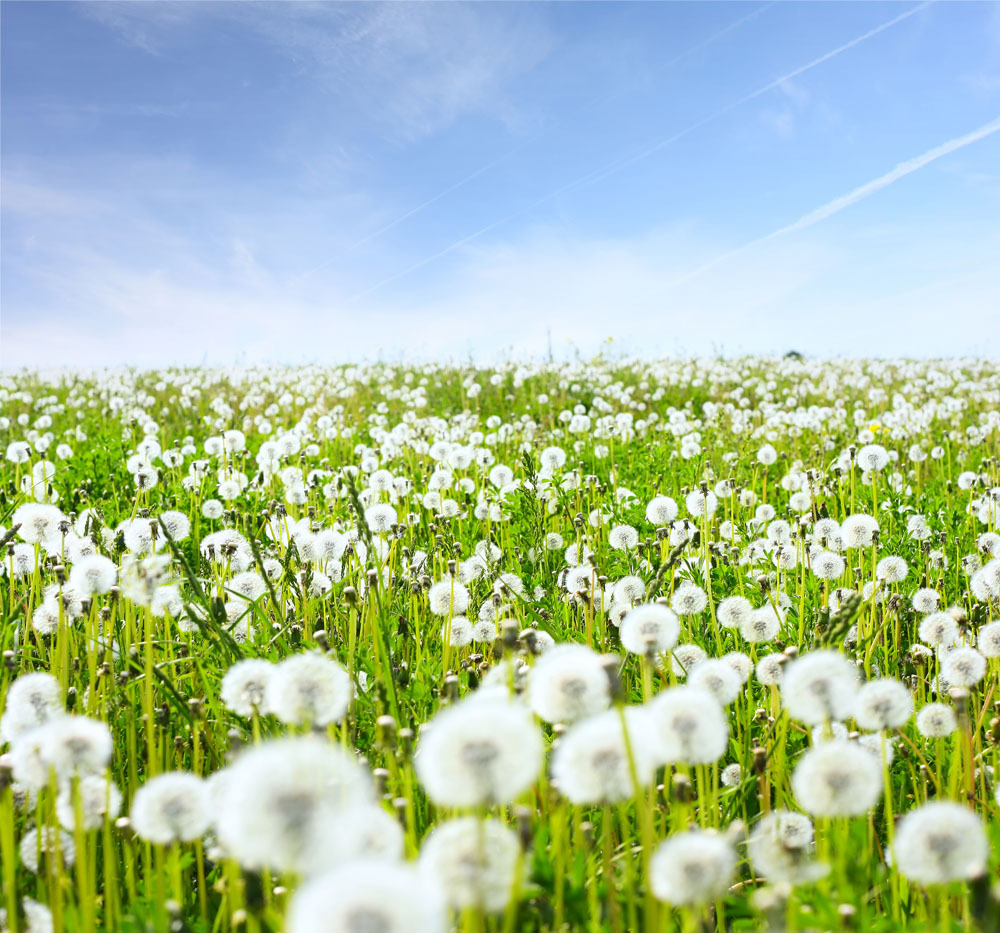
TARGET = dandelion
(963,667)
(940,842)
(661,511)
(479,754)
(308,688)
(818,687)
(936,720)
(31,701)
(733,611)
(781,848)
(99,799)
(623,538)
(475,862)
(569,683)
(591,762)
(717,677)
(692,868)
(891,569)
(858,531)
(762,625)
(939,629)
(827,565)
(689,725)
(837,778)
(883,704)
(48,844)
(244,686)
(171,807)
(651,628)
(366,897)
(925,600)
(448,597)
(688,600)
(278,804)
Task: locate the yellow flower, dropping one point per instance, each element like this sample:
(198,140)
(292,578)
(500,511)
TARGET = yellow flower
(875,427)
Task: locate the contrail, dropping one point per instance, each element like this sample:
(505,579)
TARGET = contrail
(852,197)
(603,172)
(461,183)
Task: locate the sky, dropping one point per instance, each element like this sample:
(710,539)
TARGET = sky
(185,182)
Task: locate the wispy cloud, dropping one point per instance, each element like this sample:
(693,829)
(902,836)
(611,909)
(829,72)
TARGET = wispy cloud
(845,201)
(599,174)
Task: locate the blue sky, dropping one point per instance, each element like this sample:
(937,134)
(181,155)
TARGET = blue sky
(221,182)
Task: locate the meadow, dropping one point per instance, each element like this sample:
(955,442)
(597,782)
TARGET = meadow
(605,645)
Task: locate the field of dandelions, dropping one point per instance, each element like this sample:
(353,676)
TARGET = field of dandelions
(694,645)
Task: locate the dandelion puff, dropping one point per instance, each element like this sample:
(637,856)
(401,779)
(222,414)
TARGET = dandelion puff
(717,677)
(623,538)
(763,625)
(689,726)
(75,745)
(479,754)
(925,600)
(629,590)
(731,775)
(368,896)
(829,732)
(694,867)
(309,688)
(279,802)
(39,522)
(31,701)
(99,799)
(244,686)
(837,778)
(883,704)
(651,628)
(461,631)
(827,565)
(740,663)
(171,807)
(938,629)
(363,832)
(568,683)
(940,842)
(590,762)
(661,511)
(475,861)
(685,658)
(857,531)
(781,847)
(770,669)
(689,599)
(891,569)
(46,843)
(178,525)
(819,686)
(93,575)
(700,504)
(936,720)
(963,667)
(733,611)
(988,640)
(448,597)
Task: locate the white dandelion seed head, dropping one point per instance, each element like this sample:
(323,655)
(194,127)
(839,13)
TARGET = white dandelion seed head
(689,599)
(936,720)
(781,848)
(99,799)
(963,667)
(448,597)
(819,686)
(837,778)
(689,725)
(685,658)
(590,762)
(693,867)
(474,861)
(244,686)
(31,701)
(568,683)
(479,753)
(171,807)
(940,842)
(733,611)
(650,628)
(369,896)
(883,704)
(279,802)
(717,677)
(309,688)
